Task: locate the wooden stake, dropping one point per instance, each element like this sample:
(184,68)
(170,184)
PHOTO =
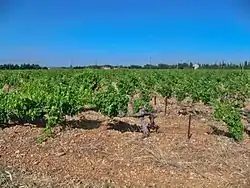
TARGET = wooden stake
(166,105)
(189,127)
(131,104)
(154,100)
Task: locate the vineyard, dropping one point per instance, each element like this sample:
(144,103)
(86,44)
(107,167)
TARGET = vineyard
(48,98)
(52,95)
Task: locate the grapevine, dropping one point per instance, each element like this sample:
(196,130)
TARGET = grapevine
(51,95)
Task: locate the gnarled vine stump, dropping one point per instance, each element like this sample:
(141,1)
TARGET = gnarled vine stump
(146,127)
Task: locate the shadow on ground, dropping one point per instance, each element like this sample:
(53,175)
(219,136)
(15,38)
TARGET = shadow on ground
(39,122)
(83,124)
(86,124)
(219,132)
(123,127)
(120,126)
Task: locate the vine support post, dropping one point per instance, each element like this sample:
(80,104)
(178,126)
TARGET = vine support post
(166,105)
(131,104)
(189,127)
(154,100)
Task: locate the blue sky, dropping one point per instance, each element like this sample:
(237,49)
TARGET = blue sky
(58,32)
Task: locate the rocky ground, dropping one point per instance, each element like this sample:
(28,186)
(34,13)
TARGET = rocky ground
(91,153)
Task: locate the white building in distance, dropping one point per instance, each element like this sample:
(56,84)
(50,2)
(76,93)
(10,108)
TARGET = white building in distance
(196,66)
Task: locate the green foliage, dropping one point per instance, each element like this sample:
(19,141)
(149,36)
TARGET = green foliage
(111,102)
(128,84)
(231,116)
(143,101)
(50,95)
(166,90)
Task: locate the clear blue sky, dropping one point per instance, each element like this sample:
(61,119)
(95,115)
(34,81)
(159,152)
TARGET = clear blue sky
(124,31)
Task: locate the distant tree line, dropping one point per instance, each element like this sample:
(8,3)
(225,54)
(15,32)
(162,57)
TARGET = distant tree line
(190,65)
(21,67)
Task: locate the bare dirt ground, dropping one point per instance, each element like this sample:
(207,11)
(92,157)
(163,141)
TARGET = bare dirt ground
(92,153)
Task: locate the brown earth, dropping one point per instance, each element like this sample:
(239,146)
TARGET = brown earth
(96,154)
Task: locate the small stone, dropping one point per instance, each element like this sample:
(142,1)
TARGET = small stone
(60,154)
(203,119)
(23,170)
(248,127)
